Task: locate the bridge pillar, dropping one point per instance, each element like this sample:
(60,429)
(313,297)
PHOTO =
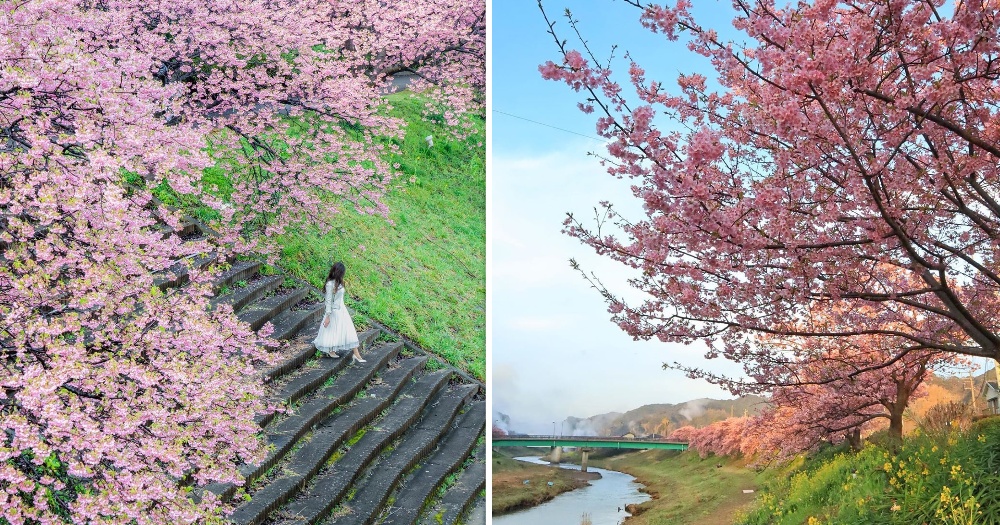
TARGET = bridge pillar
(555,455)
(584,454)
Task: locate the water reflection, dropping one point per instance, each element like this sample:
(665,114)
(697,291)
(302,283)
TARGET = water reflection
(604,500)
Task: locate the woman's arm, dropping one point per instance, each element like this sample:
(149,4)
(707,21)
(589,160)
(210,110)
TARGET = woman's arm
(339,299)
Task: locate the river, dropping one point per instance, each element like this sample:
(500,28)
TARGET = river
(602,500)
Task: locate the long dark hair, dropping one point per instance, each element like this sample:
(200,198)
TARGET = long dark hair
(336,274)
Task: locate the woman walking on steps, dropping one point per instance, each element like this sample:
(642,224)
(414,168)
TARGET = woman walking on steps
(337,332)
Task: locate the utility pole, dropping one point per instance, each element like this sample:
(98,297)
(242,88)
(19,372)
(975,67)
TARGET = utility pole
(972,391)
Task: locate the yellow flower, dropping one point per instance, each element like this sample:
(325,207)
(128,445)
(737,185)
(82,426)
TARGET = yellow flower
(887,467)
(813,520)
(981,438)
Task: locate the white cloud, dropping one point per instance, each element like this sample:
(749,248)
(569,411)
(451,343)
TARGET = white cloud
(537,324)
(555,351)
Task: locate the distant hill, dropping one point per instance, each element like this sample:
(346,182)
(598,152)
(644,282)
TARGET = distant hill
(662,418)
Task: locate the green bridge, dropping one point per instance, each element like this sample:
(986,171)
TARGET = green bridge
(585,443)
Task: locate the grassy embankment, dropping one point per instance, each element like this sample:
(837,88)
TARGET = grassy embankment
(686,488)
(509,491)
(951,479)
(423,276)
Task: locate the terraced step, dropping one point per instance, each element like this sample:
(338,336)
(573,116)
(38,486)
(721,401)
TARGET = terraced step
(450,454)
(290,322)
(327,489)
(188,229)
(179,274)
(478,514)
(325,440)
(264,310)
(239,271)
(372,493)
(310,378)
(251,292)
(304,350)
(282,434)
(462,494)
(350,428)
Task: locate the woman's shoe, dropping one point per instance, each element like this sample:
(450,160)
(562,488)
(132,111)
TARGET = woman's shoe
(358,359)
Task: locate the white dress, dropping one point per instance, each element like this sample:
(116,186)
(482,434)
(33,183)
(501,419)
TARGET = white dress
(340,334)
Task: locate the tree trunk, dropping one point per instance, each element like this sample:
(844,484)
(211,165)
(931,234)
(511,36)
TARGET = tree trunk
(854,438)
(903,391)
(896,423)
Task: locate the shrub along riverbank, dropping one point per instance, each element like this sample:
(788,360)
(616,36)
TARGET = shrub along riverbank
(947,478)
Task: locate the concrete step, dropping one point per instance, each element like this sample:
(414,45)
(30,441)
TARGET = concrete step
(251,292)
(178,273)
(284,433)
(477,514)
(330,486)
(304,350)
(188,229)
(266,309)
(372,492)
(325,440)
(282,436)
(418,486)
(310,378)
(290,322)
(239,271)
(460,496)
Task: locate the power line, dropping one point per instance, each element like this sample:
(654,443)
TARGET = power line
(547,125)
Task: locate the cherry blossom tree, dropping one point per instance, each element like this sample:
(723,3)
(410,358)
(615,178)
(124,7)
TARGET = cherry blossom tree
(846,161)
(118,395)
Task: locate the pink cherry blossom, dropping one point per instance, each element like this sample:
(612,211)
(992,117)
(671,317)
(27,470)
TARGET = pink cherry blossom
(136,392)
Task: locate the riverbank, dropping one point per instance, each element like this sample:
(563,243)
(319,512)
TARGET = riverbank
(511,493)
(703,491)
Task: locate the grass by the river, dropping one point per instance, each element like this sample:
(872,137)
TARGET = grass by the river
(685,488)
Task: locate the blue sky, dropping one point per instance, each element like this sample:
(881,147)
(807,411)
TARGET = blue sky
(554,351)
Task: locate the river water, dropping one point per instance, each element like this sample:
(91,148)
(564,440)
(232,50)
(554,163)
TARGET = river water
(601,500)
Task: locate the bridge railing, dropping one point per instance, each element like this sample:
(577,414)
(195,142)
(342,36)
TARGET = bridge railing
(588,438)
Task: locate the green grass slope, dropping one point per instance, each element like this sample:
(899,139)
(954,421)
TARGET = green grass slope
(424,275)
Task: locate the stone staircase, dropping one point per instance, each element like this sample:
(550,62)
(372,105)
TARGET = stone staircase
(397,440)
